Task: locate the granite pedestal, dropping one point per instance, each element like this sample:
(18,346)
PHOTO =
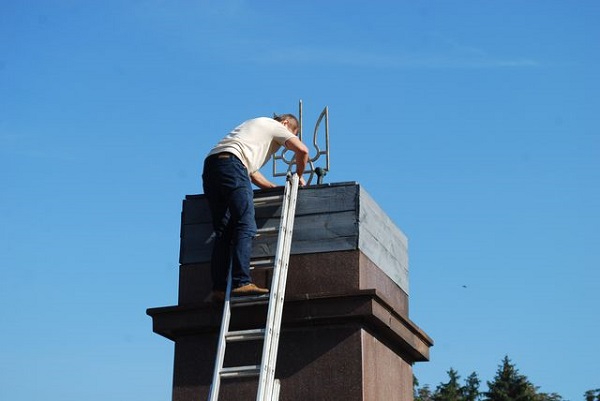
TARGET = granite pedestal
(346,334)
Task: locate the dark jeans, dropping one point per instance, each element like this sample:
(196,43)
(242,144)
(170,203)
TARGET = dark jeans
(230,197)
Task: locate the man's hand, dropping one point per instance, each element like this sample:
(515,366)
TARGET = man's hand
(261,181)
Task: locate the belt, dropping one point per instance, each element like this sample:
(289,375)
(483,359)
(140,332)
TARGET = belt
(222,155)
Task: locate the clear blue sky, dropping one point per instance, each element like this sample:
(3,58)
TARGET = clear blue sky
(474,125)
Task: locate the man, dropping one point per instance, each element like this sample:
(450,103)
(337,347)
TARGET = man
(229,171)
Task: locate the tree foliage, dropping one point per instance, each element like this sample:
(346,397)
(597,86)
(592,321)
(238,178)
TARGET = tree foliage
(471,388)
(507,385)
(449,391)
(452,390)
(592,395)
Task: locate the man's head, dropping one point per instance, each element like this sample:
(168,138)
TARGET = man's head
(289,121)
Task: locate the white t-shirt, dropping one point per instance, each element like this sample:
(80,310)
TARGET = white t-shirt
(254,141)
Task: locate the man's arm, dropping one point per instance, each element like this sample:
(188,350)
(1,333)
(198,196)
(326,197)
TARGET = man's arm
(261,181)
(301,152)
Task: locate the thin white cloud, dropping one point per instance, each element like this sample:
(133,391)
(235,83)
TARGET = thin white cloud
(360,58)
(436,51)
(213,27)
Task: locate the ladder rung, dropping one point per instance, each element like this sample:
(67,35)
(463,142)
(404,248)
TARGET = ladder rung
(268,200)
(249,300)
(240,371)
(268,231)
(267,263)
(245,335)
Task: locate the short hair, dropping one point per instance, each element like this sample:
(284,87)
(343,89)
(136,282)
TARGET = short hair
(286,117)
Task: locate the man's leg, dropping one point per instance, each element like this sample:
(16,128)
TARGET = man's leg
(231,198)
(212,182)
(242,209)
(244,232)
(221,254)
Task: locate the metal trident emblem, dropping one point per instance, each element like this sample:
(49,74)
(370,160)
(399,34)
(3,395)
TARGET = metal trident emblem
(320,172)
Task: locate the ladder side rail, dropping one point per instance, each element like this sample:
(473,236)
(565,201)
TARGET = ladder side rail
(222,343)
(263,384)
(282,282)
(266,379)
(276,390)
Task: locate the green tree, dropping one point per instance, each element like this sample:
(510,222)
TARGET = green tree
(470,390)
(424,394)
(451,391)
(509,385)
(592,395)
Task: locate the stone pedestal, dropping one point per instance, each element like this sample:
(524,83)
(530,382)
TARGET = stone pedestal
(346,334)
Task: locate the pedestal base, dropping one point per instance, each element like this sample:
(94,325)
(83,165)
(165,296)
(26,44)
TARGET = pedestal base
(347,347)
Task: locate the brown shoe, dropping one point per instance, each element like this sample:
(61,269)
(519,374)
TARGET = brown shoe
(248,289)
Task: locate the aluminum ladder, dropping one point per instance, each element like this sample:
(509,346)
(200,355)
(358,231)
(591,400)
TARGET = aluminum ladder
(268,386)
